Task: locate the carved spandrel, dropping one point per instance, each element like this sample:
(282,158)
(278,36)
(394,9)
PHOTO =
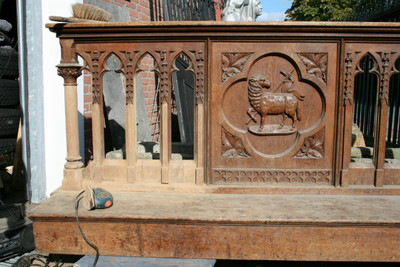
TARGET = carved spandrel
(316,64)
(232,146)
(313,147)
(233,64)
(310,177)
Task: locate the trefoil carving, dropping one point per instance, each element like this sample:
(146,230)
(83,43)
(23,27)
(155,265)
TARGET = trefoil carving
(233,64)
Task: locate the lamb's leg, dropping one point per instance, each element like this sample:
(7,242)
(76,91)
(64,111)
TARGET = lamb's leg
(292,124)
(284,116)
(262,122)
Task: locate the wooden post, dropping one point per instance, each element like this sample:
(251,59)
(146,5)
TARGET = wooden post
(131,119)
(73,168)
(348,117)
(165,100)
(200,129)
(381,120)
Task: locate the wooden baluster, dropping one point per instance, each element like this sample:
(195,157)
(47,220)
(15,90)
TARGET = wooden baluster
(73,168)
(381,120)
(348,118)
(199,154)
(165,110)
(97,118)
(130,118)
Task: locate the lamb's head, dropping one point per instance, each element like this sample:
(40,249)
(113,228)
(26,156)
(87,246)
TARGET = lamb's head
(258,80)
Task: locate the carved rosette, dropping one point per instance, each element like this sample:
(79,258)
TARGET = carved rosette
(164,79)
(313,146)
(70,72)
(232,146)
(348,80)
(233,64)
(316,64)
(316,177)
(129,78)
(95,78)
(199,76)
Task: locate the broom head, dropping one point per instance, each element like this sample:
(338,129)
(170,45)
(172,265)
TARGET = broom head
(90,12)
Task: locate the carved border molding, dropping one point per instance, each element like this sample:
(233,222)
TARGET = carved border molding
(316,64)
(232,146)
(233,64)
(313,147)
(267,176)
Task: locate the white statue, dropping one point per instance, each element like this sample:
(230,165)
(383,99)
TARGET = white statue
(241,10)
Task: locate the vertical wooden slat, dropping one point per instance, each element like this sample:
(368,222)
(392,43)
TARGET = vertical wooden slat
(348,115)
(381,120)
(131,119)
(200,129)
(165,118)
(97,118)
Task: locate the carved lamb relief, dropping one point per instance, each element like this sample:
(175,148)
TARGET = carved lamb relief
(285,103)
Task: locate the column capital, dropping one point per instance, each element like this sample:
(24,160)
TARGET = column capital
(69,71)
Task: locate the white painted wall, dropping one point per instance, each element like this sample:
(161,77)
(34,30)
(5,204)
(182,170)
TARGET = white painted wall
(53,96)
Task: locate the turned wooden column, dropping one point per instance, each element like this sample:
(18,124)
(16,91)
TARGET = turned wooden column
(73,168)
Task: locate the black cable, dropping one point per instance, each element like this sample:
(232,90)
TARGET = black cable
(78,198)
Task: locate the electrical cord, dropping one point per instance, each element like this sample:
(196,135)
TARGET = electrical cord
(78,198)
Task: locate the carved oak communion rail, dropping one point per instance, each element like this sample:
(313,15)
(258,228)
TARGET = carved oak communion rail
(273,103)
(278,171)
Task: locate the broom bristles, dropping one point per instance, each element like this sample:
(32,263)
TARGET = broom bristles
(90,12)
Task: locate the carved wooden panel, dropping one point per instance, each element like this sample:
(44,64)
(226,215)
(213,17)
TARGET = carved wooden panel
(272,108)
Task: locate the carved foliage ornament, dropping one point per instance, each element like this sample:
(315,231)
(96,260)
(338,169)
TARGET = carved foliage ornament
(69,72)
(386,58)
(313,146)
(129,78)
(316,64)
(272,176)
(232,146)
(199,76)
(164,79)
(233,64)
(348,82)
(95,78)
